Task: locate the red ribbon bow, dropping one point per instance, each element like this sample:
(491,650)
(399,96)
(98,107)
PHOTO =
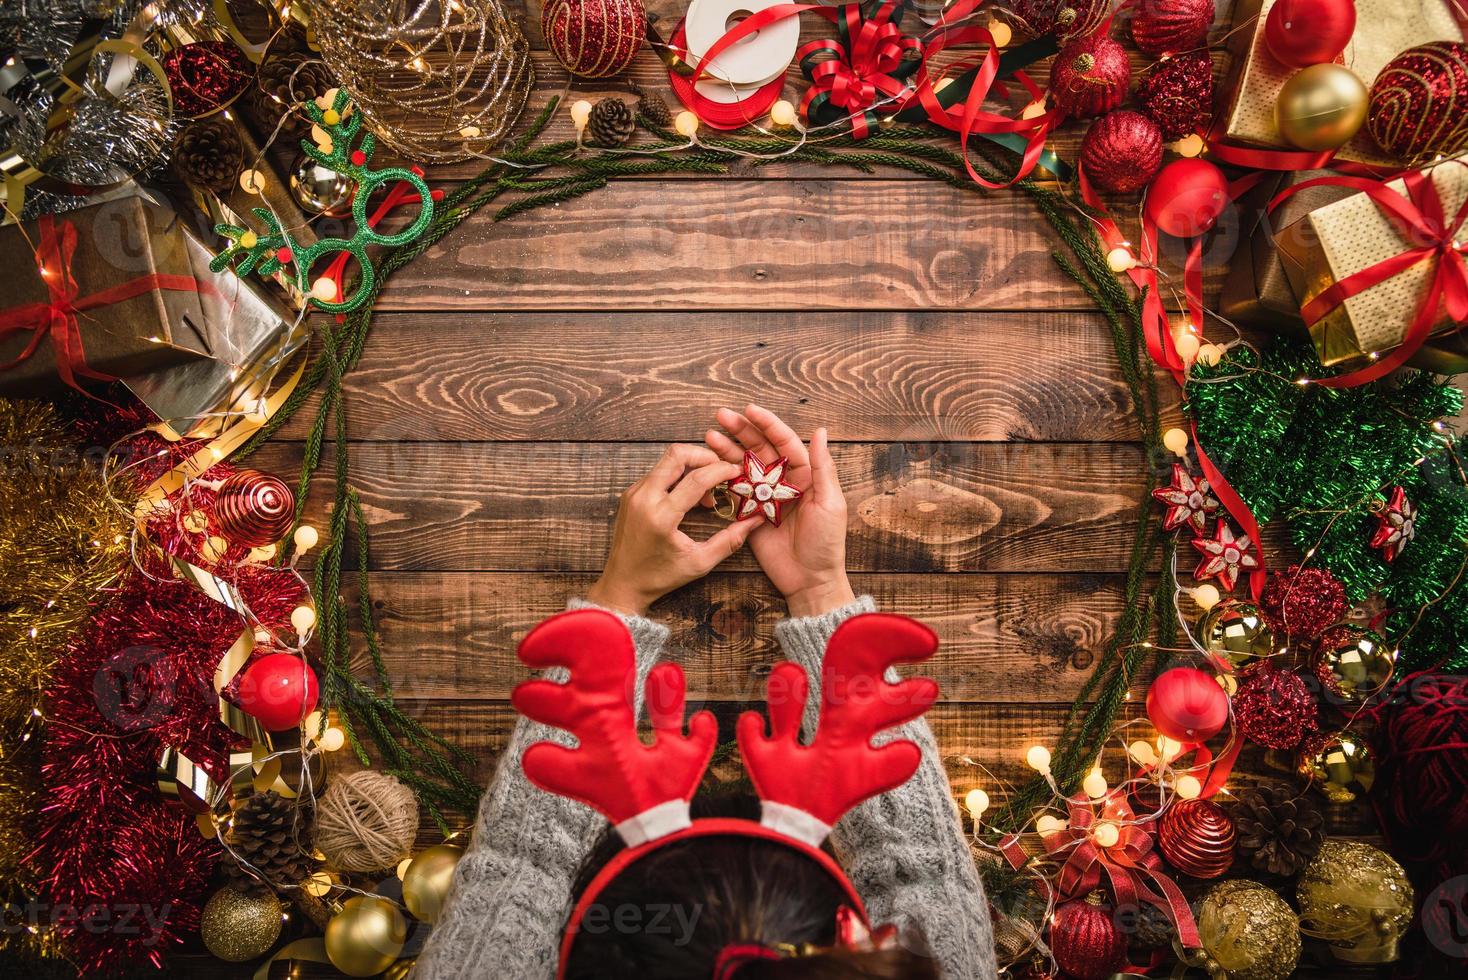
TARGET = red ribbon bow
(57,317)
(1430,236)
(868,63)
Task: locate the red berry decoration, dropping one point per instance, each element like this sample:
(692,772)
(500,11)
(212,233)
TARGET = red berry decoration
(1274,707)
(1085,940)
(1164,27)
(1090,77)
(1066,19)
(1419,103)
(1122,151)
(1187,705)
(1186,198)
(278,690)
(594,38)
(1197,838)
(1303,602)
(1301,33)
(254,508)
(1178,94)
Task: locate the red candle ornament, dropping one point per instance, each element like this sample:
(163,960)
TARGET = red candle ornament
(1085,940)
(1122,151)
(594,38)
(1090,77)
(1187,197)
(1301,33)
(1187,705)
(278,690)
(1197,837)
(1166,27)
(254,508)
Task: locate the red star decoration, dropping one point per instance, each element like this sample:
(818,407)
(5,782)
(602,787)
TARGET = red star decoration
(1188,500)
(1396,525)
(1224,556)
(762,490)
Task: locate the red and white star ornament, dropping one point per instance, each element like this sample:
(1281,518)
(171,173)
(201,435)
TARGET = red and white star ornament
(1188,500)
(1225,556)
(1396,525)
(761,490)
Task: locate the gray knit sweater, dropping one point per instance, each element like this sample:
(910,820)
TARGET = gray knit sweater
(904,850)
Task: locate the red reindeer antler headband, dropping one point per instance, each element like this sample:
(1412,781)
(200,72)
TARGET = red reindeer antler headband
(644,790)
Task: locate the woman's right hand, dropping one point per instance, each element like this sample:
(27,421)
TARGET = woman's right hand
(650,555)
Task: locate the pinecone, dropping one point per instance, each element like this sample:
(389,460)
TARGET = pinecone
(610,123)
(272,834)
(1153,930)
(651,107)
(1279,830)
(209,154)
(284,82)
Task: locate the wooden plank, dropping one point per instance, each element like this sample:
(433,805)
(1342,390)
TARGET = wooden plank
(1005,638)
(534,376)
(914,507)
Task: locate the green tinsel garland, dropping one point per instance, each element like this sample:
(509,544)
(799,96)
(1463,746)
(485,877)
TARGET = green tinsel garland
(1318,458)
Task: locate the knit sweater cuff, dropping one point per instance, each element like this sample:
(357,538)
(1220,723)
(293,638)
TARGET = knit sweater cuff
(648,636)
(804,638)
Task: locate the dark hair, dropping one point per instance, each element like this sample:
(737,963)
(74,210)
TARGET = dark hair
(669,915)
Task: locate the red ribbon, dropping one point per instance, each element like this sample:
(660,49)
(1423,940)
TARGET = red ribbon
(1430,236)
(57,317)
(853,77)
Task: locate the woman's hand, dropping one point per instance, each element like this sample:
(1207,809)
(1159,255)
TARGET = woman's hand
(805,557)
(650,556)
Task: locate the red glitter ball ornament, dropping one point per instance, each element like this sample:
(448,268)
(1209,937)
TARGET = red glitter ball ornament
(279,690)
(594,38)
(1066,19)
(206,76)
(1085,940)
(1303,602)
(1274,707)
(1178,94)
(254,508)
(1197,837)
(1122,151)
(1090,77)
(1187,705)
(1301,33)
(1164,27)
(1419,103)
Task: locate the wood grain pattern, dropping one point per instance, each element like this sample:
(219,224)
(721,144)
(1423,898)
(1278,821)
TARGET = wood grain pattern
(614,377)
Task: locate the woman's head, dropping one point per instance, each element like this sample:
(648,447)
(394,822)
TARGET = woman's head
(670,914)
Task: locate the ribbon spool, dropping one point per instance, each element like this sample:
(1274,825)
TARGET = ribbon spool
(748,105)
(755,61)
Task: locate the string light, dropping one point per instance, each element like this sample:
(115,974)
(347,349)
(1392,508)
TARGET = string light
(782,113)
(1049,824)
(1038,758)
(1120,259)
(1095,784)
(1189,146)
(580,115)
(976,802)
(1106,834)
(1206,596)
(1001,33)
(1142,753)
(1176,441)
(306,538)
(1210,355)
(303,618)
(1167,748)
(686,124)
(1188,787)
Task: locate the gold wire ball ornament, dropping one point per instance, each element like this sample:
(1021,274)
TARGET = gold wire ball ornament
(1357,899)
(436,80)
(1247,932)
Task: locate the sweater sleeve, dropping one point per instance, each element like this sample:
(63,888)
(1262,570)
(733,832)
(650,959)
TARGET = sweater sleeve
(905,850)
(512,890)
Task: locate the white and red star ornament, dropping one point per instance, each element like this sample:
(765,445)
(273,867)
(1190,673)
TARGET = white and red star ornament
(1225,556)
(1396,525)
(1188,500)
(761,490)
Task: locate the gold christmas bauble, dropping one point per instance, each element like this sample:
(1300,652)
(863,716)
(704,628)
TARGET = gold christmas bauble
(1321,107)
(366,936)
(236,927)
(427,879)
(1356,898)
(1235,630)
(1248,931)
(1341,766)
(1354,662)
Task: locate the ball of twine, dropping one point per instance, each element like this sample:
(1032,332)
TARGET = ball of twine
(436,81)
(366,821)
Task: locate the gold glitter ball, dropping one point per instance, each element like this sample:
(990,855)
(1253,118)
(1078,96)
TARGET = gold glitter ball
(1249,931)
(1356,898)
(237,927)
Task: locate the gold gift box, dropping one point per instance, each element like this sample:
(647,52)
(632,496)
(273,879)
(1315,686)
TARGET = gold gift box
(1384,29)
(1351,234)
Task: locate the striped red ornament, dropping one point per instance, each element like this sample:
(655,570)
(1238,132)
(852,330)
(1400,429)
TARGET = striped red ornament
(254,508)
(1197,837)
(594,38)
(1419,103)
(1168,27)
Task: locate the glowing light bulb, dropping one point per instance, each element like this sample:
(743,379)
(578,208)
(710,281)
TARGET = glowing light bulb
(1001,33)
(1048,825)
(252,181)
(976,802)
(323,289)
(1167,748)
(306,538)
(1120,259)
(314,724)
(214,547)
(1095,784)
(195,521)
(580,114)
(332,740)
(469,132)
(1210,354)
(303,618)
(782,113)
(1187,346)
(1188,787)
(1189,146)
(1038,758)
(1106,834)
(1142,753)
(1176,441)
(686,124)
(319,884)
(1034,110)
(1229,683)
(1206,596)
(262,553)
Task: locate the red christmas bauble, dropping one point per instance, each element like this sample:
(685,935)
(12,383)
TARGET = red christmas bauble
(1122,151)
(1085,940)
(1197,838)
(1090,76)
(1163,27)
(1066,19)
(1301,33)
(1187,197)
(254,508)
(278,690)
(1303,602)
(594,38)
(1419,103)
(1274,707)
(1178,94)
(1187,705)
